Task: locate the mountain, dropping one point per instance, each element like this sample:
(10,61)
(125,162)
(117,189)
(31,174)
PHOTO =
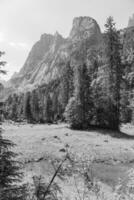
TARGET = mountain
(42,64)
(131,21)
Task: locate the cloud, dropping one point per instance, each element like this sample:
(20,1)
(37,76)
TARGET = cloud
(20,45)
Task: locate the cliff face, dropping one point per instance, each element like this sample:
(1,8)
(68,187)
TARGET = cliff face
(38,61)
(83,28)
(48,56)
(42,65)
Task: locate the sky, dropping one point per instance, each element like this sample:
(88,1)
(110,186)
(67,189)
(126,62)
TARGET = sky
(23,21)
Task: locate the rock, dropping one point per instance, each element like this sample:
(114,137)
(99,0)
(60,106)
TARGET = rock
(40,159)
(42,63)
(83,28)
(38,67)
(62,150)
(106,141)
(56,137)
(97,145)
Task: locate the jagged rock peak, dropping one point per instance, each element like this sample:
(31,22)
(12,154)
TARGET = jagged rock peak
(57,34)
(84,27)
(46,36)
(131,21)
(42,64)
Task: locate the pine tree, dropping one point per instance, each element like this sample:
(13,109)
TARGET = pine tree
(34,105)
(14,115)
(10,175)
(27,107)
(66,84)
(113,53)
(79,109)
(49,109)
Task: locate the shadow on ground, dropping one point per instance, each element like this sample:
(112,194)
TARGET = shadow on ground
(112,133)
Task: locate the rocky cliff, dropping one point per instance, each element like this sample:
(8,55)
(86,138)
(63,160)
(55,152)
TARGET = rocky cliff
(43,62)
(83,28)
(47,57)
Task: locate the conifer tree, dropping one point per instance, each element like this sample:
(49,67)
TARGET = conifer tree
(67,84)
(27,107)
(10,174)
(79,109)
(113,53)
(34,105)
(49,109)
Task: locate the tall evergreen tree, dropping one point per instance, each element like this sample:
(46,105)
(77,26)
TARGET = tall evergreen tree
(49,109)
(79,110)
(66,84)
(34,105)
(27,107)
(9,168)
(10,175)
(113,53)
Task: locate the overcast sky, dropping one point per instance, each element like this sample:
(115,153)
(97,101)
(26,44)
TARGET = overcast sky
(23,21)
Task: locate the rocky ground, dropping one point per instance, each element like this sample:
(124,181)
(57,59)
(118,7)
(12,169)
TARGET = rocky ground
(38,145)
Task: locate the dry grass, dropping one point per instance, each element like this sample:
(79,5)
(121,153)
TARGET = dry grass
(40,144)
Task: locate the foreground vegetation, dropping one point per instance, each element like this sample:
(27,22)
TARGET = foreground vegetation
(107,160)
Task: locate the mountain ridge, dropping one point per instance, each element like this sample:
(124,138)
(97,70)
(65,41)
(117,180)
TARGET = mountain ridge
(48,56)
(46,52)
